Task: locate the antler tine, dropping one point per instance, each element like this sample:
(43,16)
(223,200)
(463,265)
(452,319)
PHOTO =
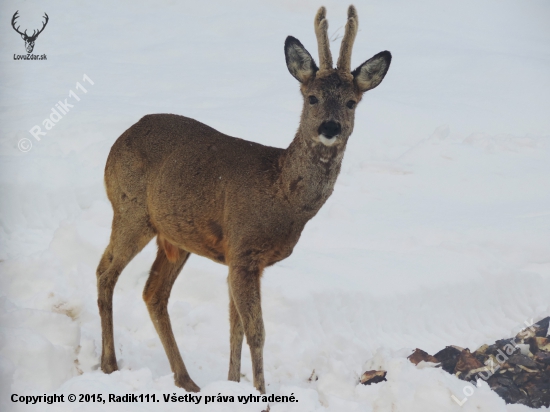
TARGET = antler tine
(15,17)
(344,60)
(43,24)
(321,31)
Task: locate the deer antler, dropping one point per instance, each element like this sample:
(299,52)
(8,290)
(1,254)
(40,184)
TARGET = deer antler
(34,33)
(344,61)
(15,16)
(321,31)
(43,26)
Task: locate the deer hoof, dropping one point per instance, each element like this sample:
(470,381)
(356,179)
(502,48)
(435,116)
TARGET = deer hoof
(109,367)
(187,384)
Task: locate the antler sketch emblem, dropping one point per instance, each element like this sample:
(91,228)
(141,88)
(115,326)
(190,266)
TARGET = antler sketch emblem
(29,40)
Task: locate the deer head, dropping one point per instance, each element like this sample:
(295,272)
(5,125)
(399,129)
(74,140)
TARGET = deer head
(332,94)
(29,40)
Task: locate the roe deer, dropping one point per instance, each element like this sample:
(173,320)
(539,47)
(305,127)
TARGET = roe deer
(236,202)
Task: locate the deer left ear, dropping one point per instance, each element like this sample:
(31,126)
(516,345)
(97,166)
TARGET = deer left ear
(299,62)
(371,73)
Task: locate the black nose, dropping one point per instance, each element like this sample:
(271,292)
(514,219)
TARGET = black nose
(330,129)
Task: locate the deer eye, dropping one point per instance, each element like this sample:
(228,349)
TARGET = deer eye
(351,104)
(313,100)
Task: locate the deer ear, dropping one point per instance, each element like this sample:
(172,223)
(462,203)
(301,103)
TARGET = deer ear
(371,73)
(299,62)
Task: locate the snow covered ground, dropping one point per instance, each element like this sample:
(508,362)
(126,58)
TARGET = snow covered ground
(438,231)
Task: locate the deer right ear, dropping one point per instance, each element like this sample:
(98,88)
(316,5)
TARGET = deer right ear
(298,60)
(371,73)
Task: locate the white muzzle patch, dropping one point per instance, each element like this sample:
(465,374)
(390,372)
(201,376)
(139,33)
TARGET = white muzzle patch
(326,141)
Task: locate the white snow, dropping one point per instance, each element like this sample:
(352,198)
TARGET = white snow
(437,233)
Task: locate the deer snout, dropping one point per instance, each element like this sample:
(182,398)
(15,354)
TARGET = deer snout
(330,129)
(327,131)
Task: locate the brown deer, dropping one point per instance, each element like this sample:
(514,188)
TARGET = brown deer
(236,202)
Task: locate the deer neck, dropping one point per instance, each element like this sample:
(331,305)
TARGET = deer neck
(308,172)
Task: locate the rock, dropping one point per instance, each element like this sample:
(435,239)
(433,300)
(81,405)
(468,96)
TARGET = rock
(542,344)
(522,378)
(506,388)
(538,390)
(448,358)
(522,360)
(373,377)
(542,328)
(538,343)
(538,329)
(482,353)
(502,346)
(542,357)
(466,363)
(518,369)
(419,355)
(481,350)
(507,346)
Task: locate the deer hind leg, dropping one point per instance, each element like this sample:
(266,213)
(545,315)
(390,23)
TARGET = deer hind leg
(236,341)
(164,272)
(127,240)
(244,287)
